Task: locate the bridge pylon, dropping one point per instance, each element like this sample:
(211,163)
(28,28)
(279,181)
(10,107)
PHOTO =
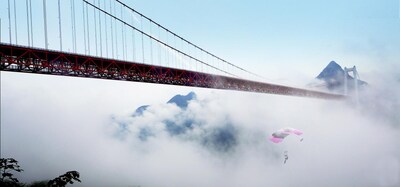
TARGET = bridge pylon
(356,78)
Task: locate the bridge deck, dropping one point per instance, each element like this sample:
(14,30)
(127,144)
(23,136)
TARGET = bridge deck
(41,61)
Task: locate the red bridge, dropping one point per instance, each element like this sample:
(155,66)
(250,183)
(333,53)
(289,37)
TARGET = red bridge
(32,60)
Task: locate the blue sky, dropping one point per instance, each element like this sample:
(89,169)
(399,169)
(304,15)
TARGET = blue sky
(280,40)
(279,35)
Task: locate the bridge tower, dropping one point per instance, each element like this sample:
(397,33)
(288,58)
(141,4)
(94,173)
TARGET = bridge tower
(356,77)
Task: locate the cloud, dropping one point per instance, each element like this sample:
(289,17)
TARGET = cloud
(73,124)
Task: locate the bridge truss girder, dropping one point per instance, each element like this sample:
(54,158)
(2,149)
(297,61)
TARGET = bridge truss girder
(40,61)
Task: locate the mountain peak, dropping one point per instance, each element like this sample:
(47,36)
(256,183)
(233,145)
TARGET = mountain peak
(332,70)
(182,101)
(333,64)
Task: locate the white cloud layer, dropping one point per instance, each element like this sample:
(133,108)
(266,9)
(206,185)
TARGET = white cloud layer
(55,125)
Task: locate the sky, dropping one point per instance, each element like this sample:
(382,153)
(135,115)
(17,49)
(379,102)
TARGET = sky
(53,124)
(289,36)
(279,38)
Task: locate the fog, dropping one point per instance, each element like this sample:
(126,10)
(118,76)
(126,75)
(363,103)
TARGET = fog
(55,125)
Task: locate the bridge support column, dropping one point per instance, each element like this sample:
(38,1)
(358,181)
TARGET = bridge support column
(356,77)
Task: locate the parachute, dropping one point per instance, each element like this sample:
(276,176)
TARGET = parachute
(278,136)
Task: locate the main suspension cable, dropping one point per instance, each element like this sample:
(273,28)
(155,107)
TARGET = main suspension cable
(157,40)
(190,43)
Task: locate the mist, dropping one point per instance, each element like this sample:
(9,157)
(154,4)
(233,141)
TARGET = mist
(55,125)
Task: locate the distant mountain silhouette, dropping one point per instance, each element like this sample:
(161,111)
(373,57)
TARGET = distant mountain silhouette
(221,138)
(332,70)
(333,77)
(140,110)
(182,101)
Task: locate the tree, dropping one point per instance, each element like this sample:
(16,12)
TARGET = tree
(8,165)
(65,179)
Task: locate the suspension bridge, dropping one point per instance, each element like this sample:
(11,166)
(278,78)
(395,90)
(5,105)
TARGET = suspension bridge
(107,39)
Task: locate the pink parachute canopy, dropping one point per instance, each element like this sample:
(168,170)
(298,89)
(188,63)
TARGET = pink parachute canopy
(275,139)
(278,136)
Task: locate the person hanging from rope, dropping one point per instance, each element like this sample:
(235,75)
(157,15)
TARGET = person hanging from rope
(285,154)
